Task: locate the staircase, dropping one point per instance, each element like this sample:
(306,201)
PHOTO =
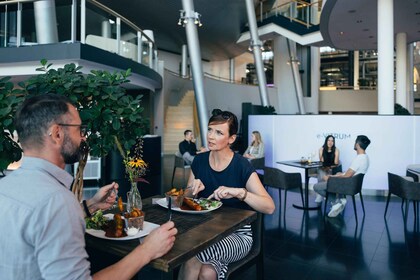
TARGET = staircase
(177,120)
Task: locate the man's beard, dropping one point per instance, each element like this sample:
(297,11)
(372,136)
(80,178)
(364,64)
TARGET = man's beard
(71,152)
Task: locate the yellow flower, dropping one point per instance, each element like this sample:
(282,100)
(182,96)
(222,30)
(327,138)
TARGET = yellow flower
(139,163)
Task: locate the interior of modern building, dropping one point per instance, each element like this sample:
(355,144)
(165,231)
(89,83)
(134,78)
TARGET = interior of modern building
(292,69)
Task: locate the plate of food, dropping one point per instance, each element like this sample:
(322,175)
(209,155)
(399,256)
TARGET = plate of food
(112,227)
(193,206)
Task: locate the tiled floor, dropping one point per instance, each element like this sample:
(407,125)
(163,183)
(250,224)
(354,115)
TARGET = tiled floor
(305,246)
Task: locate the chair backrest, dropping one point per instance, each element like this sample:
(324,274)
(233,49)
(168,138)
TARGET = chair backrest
(336,169)
(179,161)
(403,188)
(347,186)
(276,178)
(258,163)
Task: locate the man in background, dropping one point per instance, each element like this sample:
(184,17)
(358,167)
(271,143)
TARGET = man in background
(187,148)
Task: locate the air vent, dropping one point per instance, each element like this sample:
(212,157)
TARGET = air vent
(92,169)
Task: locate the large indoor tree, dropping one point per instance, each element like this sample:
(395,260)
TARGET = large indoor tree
(110,113)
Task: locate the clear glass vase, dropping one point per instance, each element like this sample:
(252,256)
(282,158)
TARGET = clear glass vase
(134,198)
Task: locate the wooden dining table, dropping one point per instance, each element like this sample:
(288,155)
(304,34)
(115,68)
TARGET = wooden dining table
(195,233)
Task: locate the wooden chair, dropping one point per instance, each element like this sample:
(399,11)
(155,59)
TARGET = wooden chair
(278,179)
(346,186)
(404,189)
(179,163)
(255,256)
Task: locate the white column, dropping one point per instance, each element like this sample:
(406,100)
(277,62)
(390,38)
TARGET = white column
(356,71)
(184,61)
(232,70)
(294,64)
(401,69)
(197,69)
(106,29)
(45,22)
(256,49)
(410,78)
(385,57)
(315,77)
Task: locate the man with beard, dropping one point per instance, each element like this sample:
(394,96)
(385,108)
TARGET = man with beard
(42,225)
(360,164)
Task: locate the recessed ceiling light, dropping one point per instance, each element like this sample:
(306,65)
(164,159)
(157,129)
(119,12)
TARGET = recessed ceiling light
(366,29)
(370,36)
(341,32)
(351,11)
(359,21)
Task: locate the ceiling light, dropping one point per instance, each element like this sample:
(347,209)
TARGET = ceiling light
(185,16)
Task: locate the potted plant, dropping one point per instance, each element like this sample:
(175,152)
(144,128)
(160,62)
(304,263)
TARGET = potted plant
(10,98)
(110,113)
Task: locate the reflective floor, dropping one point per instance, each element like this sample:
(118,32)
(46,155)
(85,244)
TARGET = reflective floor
(305,246)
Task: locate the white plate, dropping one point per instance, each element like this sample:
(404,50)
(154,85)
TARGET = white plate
(162,202)
(147,228)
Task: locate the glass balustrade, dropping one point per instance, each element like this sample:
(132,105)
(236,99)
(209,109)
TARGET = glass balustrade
(303,12)
(100,27)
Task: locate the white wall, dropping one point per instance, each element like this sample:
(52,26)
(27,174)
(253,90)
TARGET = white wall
(394,141)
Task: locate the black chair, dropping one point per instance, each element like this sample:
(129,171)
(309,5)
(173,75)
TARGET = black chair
(278,179)
(179,163)
(259,164)
(404,189)
(336,169)
(346,186)
(255,256)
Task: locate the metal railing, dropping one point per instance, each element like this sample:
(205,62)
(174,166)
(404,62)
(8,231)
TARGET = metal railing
(299,11)
(87,21)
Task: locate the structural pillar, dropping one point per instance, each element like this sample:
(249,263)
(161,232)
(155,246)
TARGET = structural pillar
(294,64)
(385,57)
(232,70)
(106,29)
(184,61)
(196,67)
(356,71)
(315,78)
(410,78)
(45,22)
(401,69)
(256,49)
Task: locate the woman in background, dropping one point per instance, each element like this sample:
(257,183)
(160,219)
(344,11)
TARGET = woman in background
(329,156)
(256,149)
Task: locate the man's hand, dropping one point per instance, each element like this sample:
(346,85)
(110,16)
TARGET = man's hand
(104,198)
(160,240)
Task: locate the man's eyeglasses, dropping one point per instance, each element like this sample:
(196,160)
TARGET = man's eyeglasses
(83,128)
(225,115)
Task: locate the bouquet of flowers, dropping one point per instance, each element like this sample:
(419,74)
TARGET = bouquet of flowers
(135,166)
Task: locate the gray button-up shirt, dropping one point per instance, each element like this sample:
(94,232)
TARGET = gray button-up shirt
(41,225)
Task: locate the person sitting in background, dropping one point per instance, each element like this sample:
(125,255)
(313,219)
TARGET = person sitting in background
(329,156)
(43,227)
(256,149)
(187,148)
(360,164)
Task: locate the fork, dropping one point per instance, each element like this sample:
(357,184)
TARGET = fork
(169,201)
